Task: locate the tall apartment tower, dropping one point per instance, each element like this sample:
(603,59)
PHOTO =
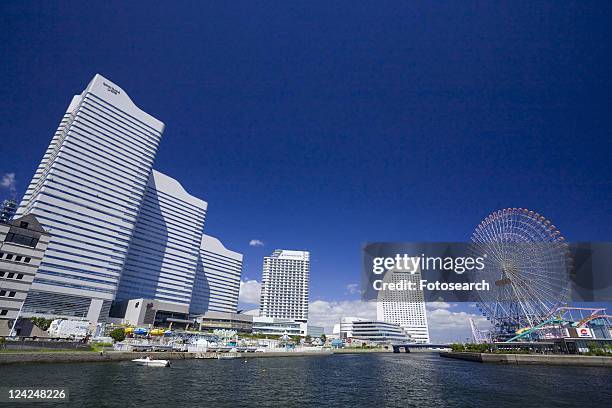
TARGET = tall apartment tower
(403,307)
(164,249)
(217,282)
(86,193)
(284,285)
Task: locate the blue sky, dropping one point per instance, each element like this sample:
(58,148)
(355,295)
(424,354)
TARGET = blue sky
(323,126)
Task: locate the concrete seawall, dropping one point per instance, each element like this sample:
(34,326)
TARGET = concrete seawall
(530,359)
(82,357)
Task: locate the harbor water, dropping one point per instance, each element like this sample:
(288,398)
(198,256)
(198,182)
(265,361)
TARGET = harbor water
(369,380)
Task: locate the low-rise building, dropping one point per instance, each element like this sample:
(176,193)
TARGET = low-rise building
(239,322)
(277,327)
(315,331)
(352,329)
(156,313)
(23,242)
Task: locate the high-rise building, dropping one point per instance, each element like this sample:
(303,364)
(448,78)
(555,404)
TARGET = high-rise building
(284,285)
(217,282)
(87,193)
(405,308)
(23,242)
(165,246)
(8,210)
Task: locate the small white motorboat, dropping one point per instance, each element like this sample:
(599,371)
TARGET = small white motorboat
(227,356)
(147,361)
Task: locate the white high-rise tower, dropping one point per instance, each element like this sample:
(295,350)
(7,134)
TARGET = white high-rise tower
(405,308)
(86,193)
(284,285)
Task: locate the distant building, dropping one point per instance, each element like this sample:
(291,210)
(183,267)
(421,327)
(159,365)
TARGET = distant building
(277,327)
(405,308)
(229,321)
(217,280)
(315,331)
(23,242)
(165,246)
(284,286)
(7,211)
(352,329)
(86,193)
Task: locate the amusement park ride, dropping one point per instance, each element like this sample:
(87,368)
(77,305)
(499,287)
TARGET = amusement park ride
(532,264)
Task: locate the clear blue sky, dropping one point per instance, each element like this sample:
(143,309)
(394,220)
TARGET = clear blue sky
(324,126)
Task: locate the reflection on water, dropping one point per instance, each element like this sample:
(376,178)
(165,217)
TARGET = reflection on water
(373,380)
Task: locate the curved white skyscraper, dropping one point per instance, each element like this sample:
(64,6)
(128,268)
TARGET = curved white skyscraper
(164,250)
(87,193)
(217,282)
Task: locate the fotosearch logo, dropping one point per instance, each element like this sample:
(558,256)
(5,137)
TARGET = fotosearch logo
(411,263)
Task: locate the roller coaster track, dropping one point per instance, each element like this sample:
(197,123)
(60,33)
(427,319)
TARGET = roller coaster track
(554,320)
(584,321)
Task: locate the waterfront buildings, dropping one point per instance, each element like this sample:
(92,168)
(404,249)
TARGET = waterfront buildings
(165,246)
(217,280)
(156,313)
(23,242)
(277,327)
(87,193)
(284,286)
(405,308)
(239,322)
(120,231)
(352,329)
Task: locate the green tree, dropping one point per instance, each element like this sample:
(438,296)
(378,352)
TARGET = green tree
(41,322)
(307,339)
(118,334)
(323,338)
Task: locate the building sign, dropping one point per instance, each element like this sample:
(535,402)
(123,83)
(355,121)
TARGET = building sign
(111,89)
(584,332)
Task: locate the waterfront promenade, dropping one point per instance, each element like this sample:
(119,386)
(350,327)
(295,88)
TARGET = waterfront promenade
(530,359)
(91,356)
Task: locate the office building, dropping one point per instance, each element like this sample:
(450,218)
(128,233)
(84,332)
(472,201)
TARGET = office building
(87,193)
(284,285)
(405,308)
(165,246)
(217,283)
(23,242)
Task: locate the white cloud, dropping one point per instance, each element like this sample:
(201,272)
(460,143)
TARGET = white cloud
(437,305)
(445,325)
(448,326)
(326,314)
(353,289)
(8,181)
(249,292)
(256,243)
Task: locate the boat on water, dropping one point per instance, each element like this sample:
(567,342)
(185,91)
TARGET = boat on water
(148,361)
(227,356)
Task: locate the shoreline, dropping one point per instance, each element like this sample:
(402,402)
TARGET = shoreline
(531,359)
(109,356)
